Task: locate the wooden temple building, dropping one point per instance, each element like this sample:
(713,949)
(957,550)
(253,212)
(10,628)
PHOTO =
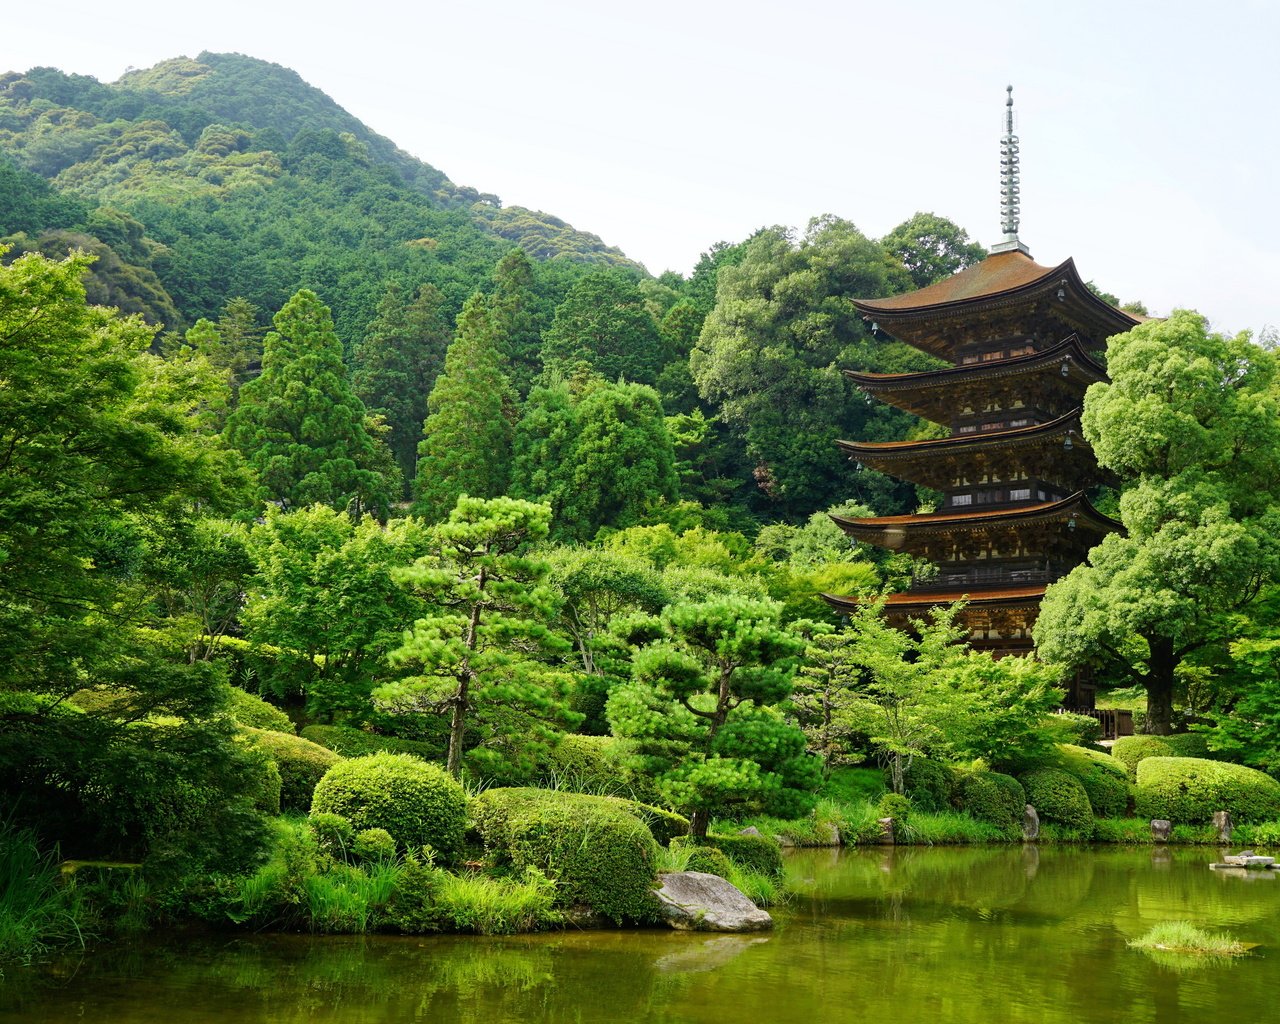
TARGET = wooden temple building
(1022,344)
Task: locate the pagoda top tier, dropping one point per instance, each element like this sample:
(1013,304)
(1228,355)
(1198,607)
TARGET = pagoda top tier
(1007,295)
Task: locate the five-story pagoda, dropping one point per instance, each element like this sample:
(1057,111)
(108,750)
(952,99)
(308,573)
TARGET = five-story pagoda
(1022,341)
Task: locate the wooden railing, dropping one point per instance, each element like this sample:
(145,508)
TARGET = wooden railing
(1115,722)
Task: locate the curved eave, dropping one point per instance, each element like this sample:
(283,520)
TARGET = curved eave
(1004,597)
(1075,506)
(964,444)
(1069,351)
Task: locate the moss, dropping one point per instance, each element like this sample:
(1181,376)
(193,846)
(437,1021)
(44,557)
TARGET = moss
(1104,778)
(599,853)
(302,764)
(1059,797)
(349,742)
(1190,789)
(1130,750)
(993,798)
(418,803)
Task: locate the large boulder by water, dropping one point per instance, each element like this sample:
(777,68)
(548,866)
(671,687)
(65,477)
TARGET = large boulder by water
(696,901)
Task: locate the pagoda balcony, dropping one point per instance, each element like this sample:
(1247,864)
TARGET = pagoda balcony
(984,578)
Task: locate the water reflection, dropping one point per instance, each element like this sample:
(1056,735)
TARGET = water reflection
(963,935)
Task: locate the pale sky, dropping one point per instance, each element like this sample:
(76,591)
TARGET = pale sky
(1148,129)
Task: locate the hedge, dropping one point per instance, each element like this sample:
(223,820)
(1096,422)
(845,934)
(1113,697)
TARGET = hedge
(1190,789)
(1059,797)
(760,854)
(594,764)
(420,804)
(1131,750)
(928,783)
(349,742)
(248,709)
(1104,779)
(302,764)
(992,797)
(599,854)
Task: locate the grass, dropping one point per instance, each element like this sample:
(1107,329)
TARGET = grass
(37,914)
(1184,937)
(761,889)
(498,906)
(944,828)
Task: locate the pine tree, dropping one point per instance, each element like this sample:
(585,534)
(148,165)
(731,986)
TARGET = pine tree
(300,425)
(466,442)
(397,363)
(517,319)
(604,323)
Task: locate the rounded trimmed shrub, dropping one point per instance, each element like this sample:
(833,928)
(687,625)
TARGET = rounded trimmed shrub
(760,854)
(992,797)
(928,783)
(1190,789)
(598,853)
(1132,750)
(250,710)
(710,860)
(349,742)
(895,806)
(1103,777)
(302,764)
(373,845)
(333,833)
(1058,797)
(420,804)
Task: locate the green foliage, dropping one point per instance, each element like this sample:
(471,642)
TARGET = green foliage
(349,742)
(604,324)
(1104,778)
(334,834)
(498,906)
(590,764)
(710,860)
(932,248)
(466,439)
(598,854)
(1130,750)
(302,764)
(373,845)
(418,803)
(1191,789)
(301,426)
(1059,797)
(486,656)
(930,828)
(700,710)
(929,784)
(250,710)
(28,204)
(1184,937)
(1246,724)
(895,806)
(37,914)
(1190,423)
(997,799)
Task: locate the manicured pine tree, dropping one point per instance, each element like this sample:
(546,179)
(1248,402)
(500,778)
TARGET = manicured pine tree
(397,363)
(300,425)
(466,440)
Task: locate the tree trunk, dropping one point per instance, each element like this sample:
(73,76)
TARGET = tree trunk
(698,822)
(457,727)
(897,775)
(1159,684)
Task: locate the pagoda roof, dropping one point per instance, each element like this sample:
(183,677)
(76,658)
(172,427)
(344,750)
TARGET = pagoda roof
(892,531)
(910,600)
(918,392)
(1003,279)
(966,443)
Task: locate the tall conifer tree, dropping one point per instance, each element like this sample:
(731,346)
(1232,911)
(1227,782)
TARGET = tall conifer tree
(517,319)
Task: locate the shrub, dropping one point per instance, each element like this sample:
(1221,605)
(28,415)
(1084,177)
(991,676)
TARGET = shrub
(302,764)
(374,845)
(598,853)
(665,825)
(1103,777)
(895,806)
(418,803)
(1077,729)
(349,742)
(414,906)
(1059,797)
(1190,789)
(710,860)
(1265,834)
(1130,750)
(929,784)
(249,710)
(758,854)
(334,835)
(993,798)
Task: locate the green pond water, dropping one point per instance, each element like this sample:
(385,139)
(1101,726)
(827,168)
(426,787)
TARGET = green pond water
(959,935)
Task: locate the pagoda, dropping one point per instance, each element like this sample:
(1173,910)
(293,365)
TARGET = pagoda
(1022,342)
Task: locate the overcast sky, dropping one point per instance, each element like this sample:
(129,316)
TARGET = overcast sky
(1149,130)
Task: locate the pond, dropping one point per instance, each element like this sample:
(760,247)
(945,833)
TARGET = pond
(956,935)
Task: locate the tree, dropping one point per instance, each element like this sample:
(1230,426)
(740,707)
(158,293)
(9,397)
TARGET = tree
(396,365)
(518,320)
(1190,424)
(701,709)
(300,425)
(931,248)
(604,323)
(466,439)
(485,655)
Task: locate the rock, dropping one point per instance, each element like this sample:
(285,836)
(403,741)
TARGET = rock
(886,829)
(1160,829)
(1222,822)
(699,902)
(584,917)
(750,830)
(828,835)
(1030,823)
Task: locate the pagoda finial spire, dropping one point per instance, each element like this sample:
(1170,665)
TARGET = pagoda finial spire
(1010,198)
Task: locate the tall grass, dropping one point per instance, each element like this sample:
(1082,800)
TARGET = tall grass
(1184,937)
(498,906)
(761,889)
(37,914)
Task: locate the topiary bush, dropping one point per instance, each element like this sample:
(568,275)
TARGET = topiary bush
(420,804)
(1103,777)
(1081,730)
(349,742)
(598,853)
(710,860)
(929,784)
(374,845)
(1058,797)
(1190,789)
(250,710)
(1131,750)
(333,834)
(751,853)
(992,797)
(302,764)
